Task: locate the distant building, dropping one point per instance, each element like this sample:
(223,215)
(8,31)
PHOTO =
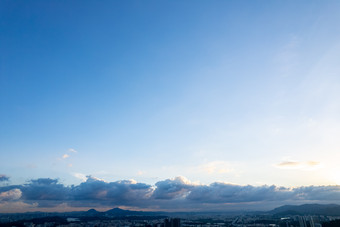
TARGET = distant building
(311,221)
(302,221)
(167,223)
(173,222)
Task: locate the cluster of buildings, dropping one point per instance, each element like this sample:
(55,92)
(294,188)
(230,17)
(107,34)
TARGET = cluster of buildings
(312,221)
(184,221)
(75,222)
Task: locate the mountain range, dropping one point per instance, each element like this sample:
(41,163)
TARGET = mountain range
(307,209)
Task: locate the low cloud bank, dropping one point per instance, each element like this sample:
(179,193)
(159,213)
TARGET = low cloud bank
(169,194)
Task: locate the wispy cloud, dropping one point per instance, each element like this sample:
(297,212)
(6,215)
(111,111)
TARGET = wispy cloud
(309,165)
(68,155)
(289,164)
(72,150)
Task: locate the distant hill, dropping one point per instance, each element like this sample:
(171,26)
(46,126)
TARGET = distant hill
(18,219)
(121,212)
(305,209)
(91,212)
(117,213)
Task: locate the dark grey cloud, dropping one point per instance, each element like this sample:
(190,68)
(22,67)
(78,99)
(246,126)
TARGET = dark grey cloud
(170,189)
(44,189)
(230,193)
(120,192)
(327,193)
(48,192)
(177,193)
(3,178)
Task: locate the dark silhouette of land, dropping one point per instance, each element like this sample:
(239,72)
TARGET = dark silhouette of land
(64,218)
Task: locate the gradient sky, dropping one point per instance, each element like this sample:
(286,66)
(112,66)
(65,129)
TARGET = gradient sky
(239,92)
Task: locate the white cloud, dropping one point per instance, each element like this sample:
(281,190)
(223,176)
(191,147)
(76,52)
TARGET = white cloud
(13,194)
(309,165)
(72,150)
(65,156)
(80,176)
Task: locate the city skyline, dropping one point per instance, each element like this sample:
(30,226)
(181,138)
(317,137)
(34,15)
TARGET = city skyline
(233,102)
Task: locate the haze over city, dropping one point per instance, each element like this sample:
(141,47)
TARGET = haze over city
(168,105)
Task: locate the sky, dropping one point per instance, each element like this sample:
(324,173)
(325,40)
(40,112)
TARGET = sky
(168,105)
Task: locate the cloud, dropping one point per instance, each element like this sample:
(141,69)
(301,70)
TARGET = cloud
(125,192)
(171,194)
(80,176)
(172,188)
(326,193)
(16,207)
(3,178)
(13,194)
(72,150)
(289,164)
(312,163)
(230,193)
(44,189)
(298,165)
(65,156)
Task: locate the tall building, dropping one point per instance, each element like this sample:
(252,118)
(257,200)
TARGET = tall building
(302,221)
(167,223)
(173,222)
(311,221)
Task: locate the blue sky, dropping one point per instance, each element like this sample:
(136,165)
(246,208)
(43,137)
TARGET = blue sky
(239,92)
